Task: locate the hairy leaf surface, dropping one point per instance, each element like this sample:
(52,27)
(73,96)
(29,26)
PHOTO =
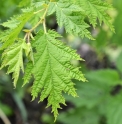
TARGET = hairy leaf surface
(70,16)
(13,57)
(8,37)
(49,58)
(96,9)
(52,70)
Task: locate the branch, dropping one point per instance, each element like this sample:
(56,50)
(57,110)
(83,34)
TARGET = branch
(4,117)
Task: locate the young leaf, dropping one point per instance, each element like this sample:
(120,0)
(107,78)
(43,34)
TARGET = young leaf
(70,16)
(50,65)
(13,57)
(8,37)
(52,56)
(96,9)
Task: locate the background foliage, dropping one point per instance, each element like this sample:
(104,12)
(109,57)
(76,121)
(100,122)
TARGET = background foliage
(100,99)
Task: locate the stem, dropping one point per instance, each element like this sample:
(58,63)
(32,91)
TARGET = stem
(38,11)
(25,36)
(4,117)
(28,40)
(36,25)
(41,21)
(44,23)
(45,13)
(44,26)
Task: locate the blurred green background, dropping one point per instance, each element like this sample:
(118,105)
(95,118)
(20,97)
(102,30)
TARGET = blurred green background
(100,99)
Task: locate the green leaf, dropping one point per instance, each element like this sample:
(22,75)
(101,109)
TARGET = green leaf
(13,57)
(80,116)
(114,110)
(25,3)
(29,52)
(8,37)
(105,76)
(71,17)
(119,62)
(96,9)
(11,23)
(51,56)
(96,89)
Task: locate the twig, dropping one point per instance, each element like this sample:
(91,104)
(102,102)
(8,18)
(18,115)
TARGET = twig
(38,11)
(4,117)
(44,26)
